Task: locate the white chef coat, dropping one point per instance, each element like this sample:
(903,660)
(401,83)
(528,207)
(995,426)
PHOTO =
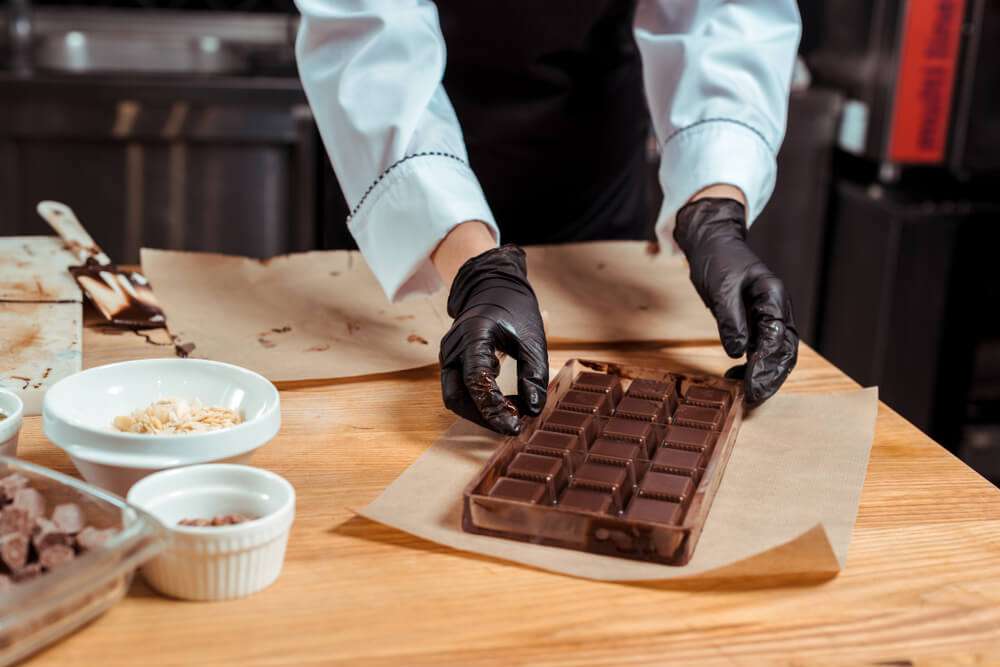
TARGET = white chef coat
(716,72)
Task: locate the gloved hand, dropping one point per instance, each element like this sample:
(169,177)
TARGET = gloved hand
(494,309)
(748,301)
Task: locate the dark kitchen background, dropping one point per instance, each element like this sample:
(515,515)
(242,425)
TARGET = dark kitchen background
(182,124)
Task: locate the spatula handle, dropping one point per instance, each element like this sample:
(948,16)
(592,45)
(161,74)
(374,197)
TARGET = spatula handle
(62,219)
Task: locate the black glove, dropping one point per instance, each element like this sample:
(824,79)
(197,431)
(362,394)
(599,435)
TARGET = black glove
(495,309)
(748,301)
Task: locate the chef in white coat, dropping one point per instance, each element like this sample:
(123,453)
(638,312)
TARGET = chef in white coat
(457,125)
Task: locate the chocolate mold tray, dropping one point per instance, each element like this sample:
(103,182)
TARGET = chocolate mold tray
(624,461)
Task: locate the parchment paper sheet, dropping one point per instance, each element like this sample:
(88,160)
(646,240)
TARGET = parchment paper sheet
(322,315)
(786,506)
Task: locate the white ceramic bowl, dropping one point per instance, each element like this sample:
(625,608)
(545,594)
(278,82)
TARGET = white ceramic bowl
(78,412)
(222,562)
(13,409)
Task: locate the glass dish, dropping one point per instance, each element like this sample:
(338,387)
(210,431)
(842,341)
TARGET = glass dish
(38,612)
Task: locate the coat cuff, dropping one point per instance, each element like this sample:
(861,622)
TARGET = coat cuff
(711,152)
(408,211)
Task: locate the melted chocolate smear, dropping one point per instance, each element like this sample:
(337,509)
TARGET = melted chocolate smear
(414,338)
(184,350)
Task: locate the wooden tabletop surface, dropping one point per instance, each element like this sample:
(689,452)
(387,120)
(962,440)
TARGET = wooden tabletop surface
(921,586)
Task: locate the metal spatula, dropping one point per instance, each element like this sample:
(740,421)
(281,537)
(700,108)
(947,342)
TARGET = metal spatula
(123,297)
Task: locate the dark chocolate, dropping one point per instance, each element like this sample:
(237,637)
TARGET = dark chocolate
(683,437)
(533,467)
(652,390)
(519,489)
(589,402)
(666,486)
(681,461)
(697,416)
(553,440)
(600,477)
(574,423)
(587,500)
(616,449)
(654,511)
(600,382)
(641,409)
(708,397)
(619,428)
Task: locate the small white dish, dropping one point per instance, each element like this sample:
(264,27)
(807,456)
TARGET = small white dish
(13,411)
(221,562)
(78,414)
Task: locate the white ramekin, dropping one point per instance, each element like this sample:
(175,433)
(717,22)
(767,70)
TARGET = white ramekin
(12,407)
(224,562)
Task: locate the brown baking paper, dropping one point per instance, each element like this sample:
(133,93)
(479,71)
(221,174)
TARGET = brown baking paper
(786,506)
(323,315)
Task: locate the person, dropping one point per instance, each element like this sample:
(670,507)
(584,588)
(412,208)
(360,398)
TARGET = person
(455,124)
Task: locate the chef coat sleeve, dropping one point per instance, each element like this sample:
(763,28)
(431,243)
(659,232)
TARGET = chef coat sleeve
(717,75)
(372,72)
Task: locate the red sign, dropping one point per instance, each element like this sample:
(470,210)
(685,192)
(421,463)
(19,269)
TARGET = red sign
(928,58)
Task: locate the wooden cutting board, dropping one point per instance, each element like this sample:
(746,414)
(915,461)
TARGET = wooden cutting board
(41,316)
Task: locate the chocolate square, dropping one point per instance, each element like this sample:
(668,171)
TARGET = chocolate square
(666,486)
(588,402)
(602,383)
(587,500)
(533,467)
(696,416)
(708,397)
(651,390)
(518,489)
(632,430)
(553,440)
(654,511)
(614,449)
(574,423)
(680,461)
(641,409)
(604,478)
(683,437)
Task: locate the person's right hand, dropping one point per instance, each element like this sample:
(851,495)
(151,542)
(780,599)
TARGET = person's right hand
(494,310)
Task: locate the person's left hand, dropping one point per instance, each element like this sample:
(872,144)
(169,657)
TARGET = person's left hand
(749,302)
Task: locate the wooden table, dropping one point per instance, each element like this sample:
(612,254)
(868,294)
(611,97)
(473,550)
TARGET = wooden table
(922,583)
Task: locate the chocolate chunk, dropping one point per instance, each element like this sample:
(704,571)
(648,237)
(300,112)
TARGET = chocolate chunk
(680,461)
(696,416)
(708,397)
(602,383)
(651,390)
(587,500)
(666,486)
(29,571)
(55,555)
(92,538)
(605,478)
(518,489)
(69,518)
(641,409)
(588,402)
(552,440)
(683,437)
(574,423)
(47,533)
(654,511)
(533,467)
(16,520)
(14,551)
(31,500)
(11,484)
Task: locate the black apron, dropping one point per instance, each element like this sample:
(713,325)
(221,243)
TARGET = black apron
(550,98)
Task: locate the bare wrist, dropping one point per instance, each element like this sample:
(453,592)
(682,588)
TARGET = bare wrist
(462,243)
